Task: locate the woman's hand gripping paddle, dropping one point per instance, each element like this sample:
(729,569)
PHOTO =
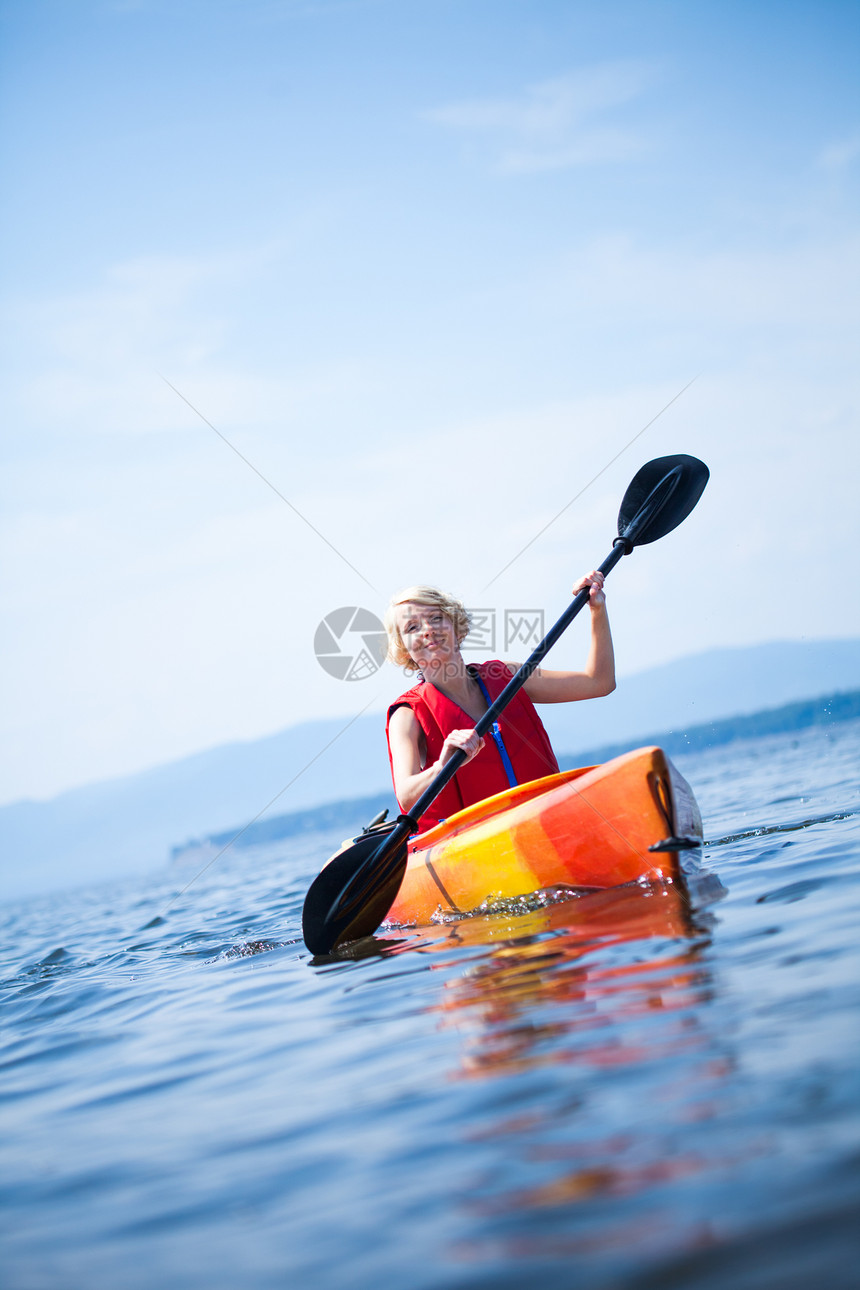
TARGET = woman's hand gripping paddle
(356,889)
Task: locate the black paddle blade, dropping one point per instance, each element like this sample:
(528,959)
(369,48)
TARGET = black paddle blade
(660,496)
(354,892)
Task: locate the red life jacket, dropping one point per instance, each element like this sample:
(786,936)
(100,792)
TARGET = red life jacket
(527,742)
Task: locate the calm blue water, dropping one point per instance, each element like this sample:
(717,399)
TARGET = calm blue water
(604,1093)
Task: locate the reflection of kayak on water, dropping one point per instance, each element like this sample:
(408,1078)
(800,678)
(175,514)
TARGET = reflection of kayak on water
(595,827)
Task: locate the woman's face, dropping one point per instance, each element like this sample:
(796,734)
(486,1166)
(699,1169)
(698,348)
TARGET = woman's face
(427,633)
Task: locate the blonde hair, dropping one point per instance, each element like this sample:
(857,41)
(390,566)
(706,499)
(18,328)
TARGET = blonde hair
(451,607)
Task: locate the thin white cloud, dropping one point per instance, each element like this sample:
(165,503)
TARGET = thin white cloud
(841,153)
(724,293)
(556,123)
(88,361)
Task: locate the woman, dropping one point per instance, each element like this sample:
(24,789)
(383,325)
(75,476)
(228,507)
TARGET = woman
(437,716)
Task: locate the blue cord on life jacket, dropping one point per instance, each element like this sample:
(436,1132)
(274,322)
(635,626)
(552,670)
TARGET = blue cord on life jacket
(497,737)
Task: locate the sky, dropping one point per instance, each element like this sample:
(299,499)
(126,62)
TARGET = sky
(304,301)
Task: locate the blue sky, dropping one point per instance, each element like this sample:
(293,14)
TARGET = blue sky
(428,266)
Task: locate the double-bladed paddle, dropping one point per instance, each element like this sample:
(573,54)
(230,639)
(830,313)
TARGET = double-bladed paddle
(356,889)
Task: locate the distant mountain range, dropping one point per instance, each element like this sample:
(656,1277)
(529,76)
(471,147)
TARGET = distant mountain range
(118,826)
(354,813)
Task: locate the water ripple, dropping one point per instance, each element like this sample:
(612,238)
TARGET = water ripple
(652,1086)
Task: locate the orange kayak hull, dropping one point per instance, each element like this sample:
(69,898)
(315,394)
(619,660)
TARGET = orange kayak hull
(591,827)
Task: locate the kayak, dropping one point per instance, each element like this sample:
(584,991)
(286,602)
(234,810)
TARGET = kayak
(591,828)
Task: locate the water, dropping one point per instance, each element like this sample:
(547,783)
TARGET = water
(603,1093)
